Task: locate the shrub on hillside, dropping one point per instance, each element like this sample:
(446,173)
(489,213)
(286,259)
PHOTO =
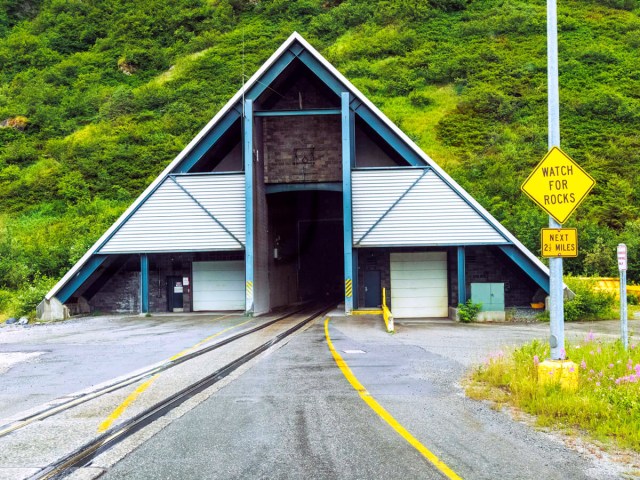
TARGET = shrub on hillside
(30,296)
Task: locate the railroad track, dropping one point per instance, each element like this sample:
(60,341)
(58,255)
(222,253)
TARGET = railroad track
(83,455)
(86,397)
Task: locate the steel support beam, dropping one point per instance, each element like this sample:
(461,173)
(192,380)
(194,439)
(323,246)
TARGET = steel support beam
(462,275)
(348,159)
(207,142)
(363,111)
(321,72)
(247,152)
(144,283)
(389,136)
(297,113)
(270,75)
(76,282)
(304,187)
(530,268)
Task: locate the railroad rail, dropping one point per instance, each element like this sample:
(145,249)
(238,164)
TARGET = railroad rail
(83,455)
(86,397)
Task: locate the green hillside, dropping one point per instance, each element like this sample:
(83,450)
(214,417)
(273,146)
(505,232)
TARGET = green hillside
(96,98)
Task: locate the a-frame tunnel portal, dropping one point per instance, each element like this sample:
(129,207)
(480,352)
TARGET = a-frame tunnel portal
(298,189)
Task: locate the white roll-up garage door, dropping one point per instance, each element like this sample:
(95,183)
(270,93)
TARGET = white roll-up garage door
(419,285)
(218,286)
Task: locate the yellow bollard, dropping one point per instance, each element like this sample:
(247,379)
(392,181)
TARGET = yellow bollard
(564,372)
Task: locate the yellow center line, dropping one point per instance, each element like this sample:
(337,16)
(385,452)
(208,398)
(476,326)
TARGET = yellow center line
(120,409)
(379,409)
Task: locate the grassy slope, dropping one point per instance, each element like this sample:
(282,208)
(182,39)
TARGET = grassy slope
(110,93)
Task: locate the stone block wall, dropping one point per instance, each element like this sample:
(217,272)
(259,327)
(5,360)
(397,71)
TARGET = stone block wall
(452,275)
(121,293)
(490,265)
(302,149)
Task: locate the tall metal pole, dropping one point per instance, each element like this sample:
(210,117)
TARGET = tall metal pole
(622,266)
(624,334)
(556,340)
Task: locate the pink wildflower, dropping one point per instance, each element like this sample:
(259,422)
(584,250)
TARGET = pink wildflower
(583,365)
(536,360)
(597,384)
(629,378)
(590,337)
(611,365)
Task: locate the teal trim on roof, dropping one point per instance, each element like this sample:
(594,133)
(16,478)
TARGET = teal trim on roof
(207,142)
(532,270)
(82,276)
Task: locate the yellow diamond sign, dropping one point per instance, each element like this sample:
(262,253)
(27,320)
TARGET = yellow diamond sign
(558,185)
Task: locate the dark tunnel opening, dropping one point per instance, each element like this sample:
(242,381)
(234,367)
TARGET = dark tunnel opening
(306,232)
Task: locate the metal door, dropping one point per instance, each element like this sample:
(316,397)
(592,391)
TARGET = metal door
(419,285)
(174,294)
(372,288)
(490,295)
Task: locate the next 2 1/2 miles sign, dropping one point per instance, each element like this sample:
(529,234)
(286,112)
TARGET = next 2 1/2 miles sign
(558,185)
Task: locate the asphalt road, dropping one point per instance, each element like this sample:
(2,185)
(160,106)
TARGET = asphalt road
(294,415)
(43,362)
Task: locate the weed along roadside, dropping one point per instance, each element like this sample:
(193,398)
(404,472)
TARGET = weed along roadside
(600,397)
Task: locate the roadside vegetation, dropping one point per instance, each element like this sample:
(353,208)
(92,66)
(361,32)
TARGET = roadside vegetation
(96,98)
(468,311)
(606,404)
(589,303)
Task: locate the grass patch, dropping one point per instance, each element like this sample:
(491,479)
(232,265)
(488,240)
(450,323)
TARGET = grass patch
(589,302)
(606,404)
(419,116)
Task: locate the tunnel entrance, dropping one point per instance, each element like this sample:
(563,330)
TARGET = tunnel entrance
(306,235)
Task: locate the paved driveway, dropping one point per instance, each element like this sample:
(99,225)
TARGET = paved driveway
(295,415)
(42,362)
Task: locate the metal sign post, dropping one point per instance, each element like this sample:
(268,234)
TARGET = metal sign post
(556,339)
(622,266)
